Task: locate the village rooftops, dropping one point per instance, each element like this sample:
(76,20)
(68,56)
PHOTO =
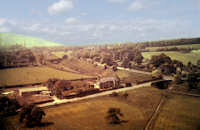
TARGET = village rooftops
(106,79)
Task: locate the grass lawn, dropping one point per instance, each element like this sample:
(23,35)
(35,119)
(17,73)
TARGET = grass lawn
(193,56)
(179,113)
(195,46)
(28,75)
(90,114)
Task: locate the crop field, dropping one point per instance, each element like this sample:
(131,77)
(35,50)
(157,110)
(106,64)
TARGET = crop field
(193,56)
(194,46)
(179,113)
(90,114)
(29,75)
(132,77)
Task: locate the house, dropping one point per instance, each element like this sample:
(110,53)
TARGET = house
(109,83)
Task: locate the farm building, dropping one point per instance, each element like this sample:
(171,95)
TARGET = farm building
(32,91)
(108,82)
(35,99)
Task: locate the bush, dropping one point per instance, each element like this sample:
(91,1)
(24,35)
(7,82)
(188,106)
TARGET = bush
(8,106)
(115,94)
(128,84)
(125,95)
(113,115)
(31,115)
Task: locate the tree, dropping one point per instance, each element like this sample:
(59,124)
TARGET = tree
(31,115)
(198,63)
(8,106)
(177,78)
(125,95)
(159,60)
(65,57)
(113,115)
(138,57)
(193,80)
(114,68)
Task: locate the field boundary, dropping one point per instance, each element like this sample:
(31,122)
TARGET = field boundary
(154,114)
(185,94)
(40,83)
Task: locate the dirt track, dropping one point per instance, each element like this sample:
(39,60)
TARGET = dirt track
(58,101)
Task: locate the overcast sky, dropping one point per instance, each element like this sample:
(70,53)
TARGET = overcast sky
(101,21)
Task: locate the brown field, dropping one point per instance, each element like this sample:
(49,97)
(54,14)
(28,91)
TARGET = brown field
(132,77)
(83,66)
(30,75)
(90,114)
(179,113)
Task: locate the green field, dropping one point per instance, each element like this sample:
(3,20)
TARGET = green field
(194,46)
(179,113)
(90,114)
(8,39)
(193,56)
(29,75)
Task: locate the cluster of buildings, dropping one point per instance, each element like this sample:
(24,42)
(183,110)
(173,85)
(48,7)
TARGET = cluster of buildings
(41,94)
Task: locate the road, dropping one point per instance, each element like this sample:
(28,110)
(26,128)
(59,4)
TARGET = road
(58,101)
(165,77)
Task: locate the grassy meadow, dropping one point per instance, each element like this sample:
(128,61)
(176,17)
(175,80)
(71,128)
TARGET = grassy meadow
(193,56)
(8,39)
(90,114)
(29,75)
(179,113)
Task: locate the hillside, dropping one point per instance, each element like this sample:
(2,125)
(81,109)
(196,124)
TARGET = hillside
(8,39)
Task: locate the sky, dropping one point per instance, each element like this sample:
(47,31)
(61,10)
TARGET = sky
(84,22)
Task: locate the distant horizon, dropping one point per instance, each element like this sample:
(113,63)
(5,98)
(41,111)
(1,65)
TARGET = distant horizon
(106,21)
(103,43)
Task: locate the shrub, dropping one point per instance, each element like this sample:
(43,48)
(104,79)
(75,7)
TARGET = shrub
(115,94)
(125,95)
(113,115)
(31,115)
(8,106)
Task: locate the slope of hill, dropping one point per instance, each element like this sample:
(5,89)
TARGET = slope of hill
(8,39)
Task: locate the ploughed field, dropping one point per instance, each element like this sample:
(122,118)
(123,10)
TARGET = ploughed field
(31,75)
(192,57)
(179,113)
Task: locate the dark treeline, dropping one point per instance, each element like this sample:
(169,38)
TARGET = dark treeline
(184,50)
(171,42)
